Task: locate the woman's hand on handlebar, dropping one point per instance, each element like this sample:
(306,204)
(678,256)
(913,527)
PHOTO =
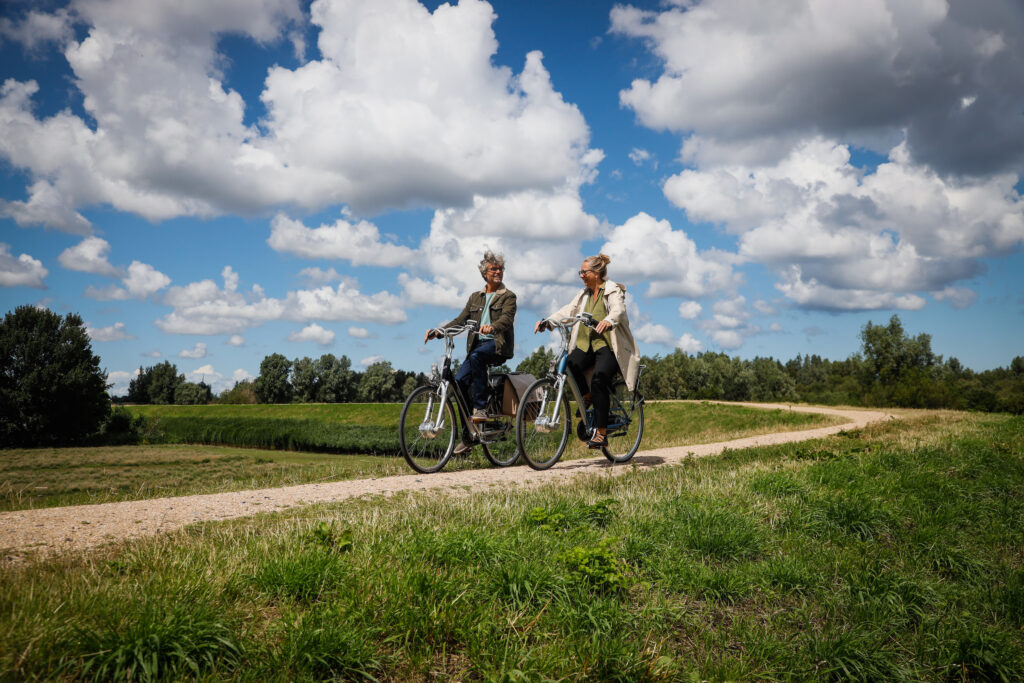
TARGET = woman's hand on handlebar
(540,326)
(603,327)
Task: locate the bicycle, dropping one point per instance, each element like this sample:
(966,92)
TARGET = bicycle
(544,417)
(428,426)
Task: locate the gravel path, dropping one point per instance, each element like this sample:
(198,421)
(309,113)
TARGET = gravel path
(57,530)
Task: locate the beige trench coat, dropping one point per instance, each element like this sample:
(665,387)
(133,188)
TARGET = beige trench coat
(623,345)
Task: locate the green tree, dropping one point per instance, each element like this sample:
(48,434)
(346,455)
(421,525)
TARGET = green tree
(899,369)
(272,385)
(305,380)
(52,390)
(336,379)
(163,382)
(241,393)
(377,384)
(537,362)
(191,394)
(138,388)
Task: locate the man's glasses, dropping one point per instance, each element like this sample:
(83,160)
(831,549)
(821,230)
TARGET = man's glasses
(495,270)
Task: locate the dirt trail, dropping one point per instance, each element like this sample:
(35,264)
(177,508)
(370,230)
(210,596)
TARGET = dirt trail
(57,530)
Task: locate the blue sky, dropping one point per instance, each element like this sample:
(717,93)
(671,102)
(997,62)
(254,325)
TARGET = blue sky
(209,183)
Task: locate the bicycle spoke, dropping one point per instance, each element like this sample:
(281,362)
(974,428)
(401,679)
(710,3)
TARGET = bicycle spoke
(427,430)
(542,424)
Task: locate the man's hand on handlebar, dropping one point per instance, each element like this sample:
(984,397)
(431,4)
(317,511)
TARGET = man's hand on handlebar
(432,333)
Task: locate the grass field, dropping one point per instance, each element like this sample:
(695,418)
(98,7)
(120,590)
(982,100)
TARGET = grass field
(891,553)
(70,476)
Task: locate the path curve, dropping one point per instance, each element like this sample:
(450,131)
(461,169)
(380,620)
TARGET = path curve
(56,530)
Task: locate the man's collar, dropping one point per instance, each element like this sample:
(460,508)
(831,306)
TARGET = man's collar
(497,291)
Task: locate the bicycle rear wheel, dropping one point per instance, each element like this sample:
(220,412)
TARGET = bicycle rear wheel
(542,424)
(625,424)
(427,430)
(504,450)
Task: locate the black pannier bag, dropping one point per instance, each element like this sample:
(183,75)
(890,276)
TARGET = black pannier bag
(507,389)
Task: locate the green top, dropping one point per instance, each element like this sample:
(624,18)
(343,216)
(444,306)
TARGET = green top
(588,338)
(485,319)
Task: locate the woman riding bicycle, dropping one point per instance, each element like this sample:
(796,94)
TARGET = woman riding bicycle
(607,348)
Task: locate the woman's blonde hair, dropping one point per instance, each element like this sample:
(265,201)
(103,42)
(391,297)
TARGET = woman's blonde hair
(598,264)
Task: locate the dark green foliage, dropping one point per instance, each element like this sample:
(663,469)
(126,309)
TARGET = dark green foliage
(240,394)
(192,394)
(52,390)
(272,386)
(538,362)
(121,427)
(378,384)
(335,379)
(893,369)
(163,383)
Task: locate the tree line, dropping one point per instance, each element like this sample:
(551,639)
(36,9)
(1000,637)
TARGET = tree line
(53,391)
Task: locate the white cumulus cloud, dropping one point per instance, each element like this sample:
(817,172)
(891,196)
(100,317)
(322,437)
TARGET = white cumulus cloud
(89,256)
(360,243)
(23,271)
(197,351)
(403,107)
(313,333)
(115,332)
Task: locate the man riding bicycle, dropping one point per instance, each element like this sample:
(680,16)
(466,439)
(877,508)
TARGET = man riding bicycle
(494,309)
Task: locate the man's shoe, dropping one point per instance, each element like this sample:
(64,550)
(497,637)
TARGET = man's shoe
(462,448)
(479,415)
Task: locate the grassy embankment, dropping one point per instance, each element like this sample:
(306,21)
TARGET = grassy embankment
(70,476)
(891,553)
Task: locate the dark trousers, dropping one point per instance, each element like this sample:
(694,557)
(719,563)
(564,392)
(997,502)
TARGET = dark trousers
(472,375)
(605,369)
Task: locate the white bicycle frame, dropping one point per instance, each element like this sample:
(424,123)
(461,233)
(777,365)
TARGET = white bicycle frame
(545,422)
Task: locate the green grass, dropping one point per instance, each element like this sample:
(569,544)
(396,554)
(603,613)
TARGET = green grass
(894,552)
(48,477)
(69,476)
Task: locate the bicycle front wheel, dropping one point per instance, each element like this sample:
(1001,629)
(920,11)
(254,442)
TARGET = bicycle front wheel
(625,424)
(542,424)
(427,430)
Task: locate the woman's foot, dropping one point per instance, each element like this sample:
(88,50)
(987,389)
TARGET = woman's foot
(599,440)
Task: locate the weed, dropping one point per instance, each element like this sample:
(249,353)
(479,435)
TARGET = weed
(596,567)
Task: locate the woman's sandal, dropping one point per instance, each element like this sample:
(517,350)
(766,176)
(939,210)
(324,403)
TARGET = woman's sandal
(597,441)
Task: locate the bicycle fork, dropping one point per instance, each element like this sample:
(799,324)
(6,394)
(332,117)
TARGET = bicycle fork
(431,426)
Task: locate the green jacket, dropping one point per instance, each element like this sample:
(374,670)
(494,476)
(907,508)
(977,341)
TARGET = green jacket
(503,315)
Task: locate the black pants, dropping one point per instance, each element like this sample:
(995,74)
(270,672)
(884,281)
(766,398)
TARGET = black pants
(605,369)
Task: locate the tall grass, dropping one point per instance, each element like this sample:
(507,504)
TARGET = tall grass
(895,552)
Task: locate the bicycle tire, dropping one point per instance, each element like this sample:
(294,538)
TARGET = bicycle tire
(426,451)
(626,424)
(539,447)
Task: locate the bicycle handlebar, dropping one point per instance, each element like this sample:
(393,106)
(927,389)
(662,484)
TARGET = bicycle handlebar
(454,331)
(585,318)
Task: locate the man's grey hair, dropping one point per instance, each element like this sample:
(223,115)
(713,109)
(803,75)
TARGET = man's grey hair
(491,259)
